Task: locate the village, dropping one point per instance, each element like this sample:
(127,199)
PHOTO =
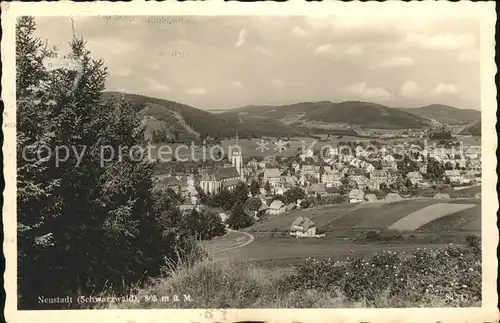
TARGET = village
(336,175)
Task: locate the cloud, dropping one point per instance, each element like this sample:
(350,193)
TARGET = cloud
(468,56)
(320,23)
(354,50)
(443,41)
(237,84)
(299,32)
(126,71)
(264,51)
(362,90)
(155,86)
(444,88)
(111,45)
(325,50)
(410,89)
(242,38)
(197,91)
(277,83)
(397,61)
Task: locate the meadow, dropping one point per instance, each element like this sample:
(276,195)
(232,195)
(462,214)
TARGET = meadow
(421,217)
(320,215)
(465,220)
(337,271)
(445,277)
(377,215)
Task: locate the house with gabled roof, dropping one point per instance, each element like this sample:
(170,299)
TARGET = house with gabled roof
(272,175)
(303,227)
(453,175)
(356,196)
(277,207)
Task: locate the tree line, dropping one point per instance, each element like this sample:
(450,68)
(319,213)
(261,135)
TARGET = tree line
(85,227)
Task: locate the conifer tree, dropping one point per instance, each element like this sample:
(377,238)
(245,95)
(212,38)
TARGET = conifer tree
(85,222)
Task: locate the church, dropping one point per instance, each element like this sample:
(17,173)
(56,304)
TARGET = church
(227,177)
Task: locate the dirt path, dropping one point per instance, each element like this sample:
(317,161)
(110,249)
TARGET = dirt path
(230,241)
(250,237)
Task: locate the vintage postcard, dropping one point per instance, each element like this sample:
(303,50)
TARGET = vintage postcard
(283,162)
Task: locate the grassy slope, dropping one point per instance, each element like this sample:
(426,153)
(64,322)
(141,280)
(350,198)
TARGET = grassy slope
(344,217)
(379,217)
(367,114)
(446,114)
(324,283)
(419,218)
(321,216)
(468,220)
(474,129)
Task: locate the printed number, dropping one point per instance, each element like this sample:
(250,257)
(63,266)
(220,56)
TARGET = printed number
(149,298)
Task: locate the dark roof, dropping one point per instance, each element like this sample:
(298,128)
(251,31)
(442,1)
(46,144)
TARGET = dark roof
(332,190)
(301,224)
(219,174)
(231,182)
(169,181)
(227,172)
(357,171)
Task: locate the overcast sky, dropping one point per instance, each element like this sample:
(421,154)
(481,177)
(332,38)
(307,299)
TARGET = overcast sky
(228,62)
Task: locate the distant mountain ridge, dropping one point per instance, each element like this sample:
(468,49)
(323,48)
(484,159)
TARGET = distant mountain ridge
(181,121)
(357,113)
(445,114)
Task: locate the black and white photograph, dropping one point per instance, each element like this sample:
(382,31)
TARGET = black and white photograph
(249,161)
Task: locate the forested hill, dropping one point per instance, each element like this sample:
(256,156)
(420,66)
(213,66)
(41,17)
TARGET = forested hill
(184,121)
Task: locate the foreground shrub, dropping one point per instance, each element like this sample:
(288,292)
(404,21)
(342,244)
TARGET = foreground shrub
(452,274)
(425,278)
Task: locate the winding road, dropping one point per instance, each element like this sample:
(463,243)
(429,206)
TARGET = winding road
(230,241)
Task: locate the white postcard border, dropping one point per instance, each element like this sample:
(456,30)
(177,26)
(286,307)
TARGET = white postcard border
(484,11)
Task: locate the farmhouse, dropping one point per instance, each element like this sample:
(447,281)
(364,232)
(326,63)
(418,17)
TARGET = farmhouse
(356,196)
(276,208)
(467,179)
(381,176)
(362,182)
(331,180)
(223,217)
(453,175)
(169,182)
(414,177)
(272,175)
(442,196)
(316,189)
(333,190)
(373,185)
(303,227)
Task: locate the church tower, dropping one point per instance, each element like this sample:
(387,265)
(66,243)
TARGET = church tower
(237,162)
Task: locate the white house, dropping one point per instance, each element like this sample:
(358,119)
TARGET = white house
(414,177)
(467,179)
(356,196)
(331,180)
(303,227)
(276,208)
(453,175)
(272,175)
